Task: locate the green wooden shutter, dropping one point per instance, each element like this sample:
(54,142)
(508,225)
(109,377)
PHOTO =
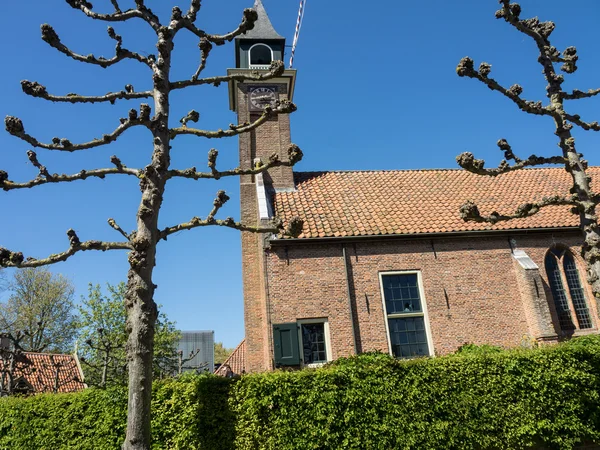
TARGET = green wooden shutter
(285,342)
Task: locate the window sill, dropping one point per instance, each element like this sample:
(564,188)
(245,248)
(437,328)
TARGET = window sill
(315,365)
(583,332)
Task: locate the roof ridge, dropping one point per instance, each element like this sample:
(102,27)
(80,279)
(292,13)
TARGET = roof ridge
(448,169)
(50,354)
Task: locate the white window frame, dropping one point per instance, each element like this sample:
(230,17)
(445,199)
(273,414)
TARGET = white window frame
(259,66)
(325,323)
(423,314)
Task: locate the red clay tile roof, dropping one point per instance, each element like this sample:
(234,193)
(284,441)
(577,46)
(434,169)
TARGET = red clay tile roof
(47,365)
(359,203)
(236,361)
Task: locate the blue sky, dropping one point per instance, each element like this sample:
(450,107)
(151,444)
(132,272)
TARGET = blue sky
(376,89)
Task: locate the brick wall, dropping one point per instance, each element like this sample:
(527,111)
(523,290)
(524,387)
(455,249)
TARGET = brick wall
(271,137)
(474,291)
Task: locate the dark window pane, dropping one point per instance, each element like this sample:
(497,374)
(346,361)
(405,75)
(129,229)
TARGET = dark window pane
(260,55)
(313,342)
(401,293)
(558,293)
(407,344)
(576,290)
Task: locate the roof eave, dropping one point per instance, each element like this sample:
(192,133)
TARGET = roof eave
(447,234)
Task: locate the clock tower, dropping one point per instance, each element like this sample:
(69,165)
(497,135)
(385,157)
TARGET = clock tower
(254,52)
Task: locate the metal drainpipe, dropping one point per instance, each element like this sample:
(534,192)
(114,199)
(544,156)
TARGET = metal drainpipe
(268,306)
(347,268)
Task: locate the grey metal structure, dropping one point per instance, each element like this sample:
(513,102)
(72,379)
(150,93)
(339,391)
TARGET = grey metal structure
(202,342)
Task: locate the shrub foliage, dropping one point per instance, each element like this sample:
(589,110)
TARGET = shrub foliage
(548,397)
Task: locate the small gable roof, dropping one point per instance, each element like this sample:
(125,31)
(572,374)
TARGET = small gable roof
(236,362)
(39,370)
(413,202)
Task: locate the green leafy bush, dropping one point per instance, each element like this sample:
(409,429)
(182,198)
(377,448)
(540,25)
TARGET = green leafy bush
(469,349)
(188,413)
(514,399)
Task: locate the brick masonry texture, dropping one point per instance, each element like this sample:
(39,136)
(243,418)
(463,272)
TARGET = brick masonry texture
(474,290)
(272,137)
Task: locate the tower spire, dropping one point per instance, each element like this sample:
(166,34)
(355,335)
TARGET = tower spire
(263,28)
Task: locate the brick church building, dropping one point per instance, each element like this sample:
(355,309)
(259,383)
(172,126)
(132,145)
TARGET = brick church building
(384,261)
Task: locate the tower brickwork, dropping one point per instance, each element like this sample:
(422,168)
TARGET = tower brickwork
(254,52)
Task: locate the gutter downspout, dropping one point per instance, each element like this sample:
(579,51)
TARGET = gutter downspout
(347,270)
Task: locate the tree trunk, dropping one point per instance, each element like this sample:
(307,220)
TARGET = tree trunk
(105,369)
(141,308)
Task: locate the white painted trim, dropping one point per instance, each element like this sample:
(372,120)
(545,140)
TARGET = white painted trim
(424,314)
(524,260)
(259,66)
(264,206)
(324,321)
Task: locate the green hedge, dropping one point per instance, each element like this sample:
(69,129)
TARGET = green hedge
(188,413)
(519,399)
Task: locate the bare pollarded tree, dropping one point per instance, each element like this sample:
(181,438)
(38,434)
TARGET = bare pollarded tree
(580,197)
(141,243)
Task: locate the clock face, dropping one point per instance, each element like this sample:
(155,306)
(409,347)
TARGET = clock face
(262,96)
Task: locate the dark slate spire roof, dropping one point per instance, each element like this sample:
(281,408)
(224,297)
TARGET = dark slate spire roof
(263,29)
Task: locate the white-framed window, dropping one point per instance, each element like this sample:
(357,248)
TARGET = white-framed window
(302,343)
(562,271)
(315,346)
(407,324)
(261,56)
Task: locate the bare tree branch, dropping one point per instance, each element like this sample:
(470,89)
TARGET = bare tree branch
(14,126)
(294,155)
(192,116)
(249,17)
(293,229)
(141,12)
(50,36)
(468,162)
(9,258)
(284,107)
(229,222)
(36,89)
(114,225)
(576,119)
(470,212)
(276,69)
(193,11)
(465,69)
(115,3)
(577,94)
(45,177)
(205,48)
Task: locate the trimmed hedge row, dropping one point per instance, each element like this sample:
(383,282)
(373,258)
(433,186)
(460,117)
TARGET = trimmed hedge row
(519,399)
(188,413)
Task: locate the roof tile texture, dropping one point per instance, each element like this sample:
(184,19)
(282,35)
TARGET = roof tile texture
(236,361)
(357,203)
(46,365)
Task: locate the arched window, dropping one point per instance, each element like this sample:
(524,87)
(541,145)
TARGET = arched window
(560,267)
(260,55)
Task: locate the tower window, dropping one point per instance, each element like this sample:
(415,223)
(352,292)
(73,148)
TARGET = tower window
(570,301)
(260,55)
